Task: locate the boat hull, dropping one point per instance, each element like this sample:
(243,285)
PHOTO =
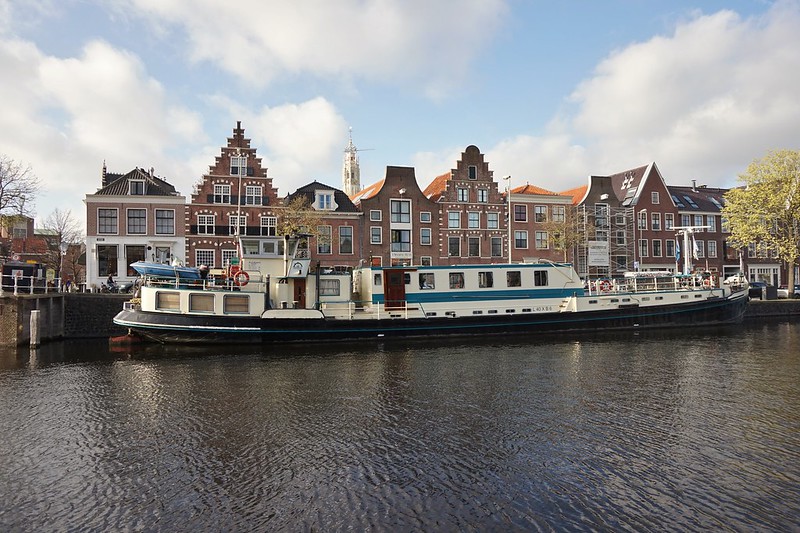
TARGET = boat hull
(182,328)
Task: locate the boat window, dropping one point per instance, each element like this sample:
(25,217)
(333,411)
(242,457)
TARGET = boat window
(511,310)
(329,287)
(170,301)
(477,312)
(492,311)
(426,281)
(485,280)
(456,280)
(407,278)
(376,280)
(526,310)
(236,303)
(201,303)
(540,278)
(513,279)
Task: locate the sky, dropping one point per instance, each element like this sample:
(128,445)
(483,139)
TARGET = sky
(550,92)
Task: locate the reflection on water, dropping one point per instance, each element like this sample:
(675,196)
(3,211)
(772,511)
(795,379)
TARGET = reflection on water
(663,430)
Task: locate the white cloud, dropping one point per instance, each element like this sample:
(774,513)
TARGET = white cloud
(702,102)
(407,41)
(64,116)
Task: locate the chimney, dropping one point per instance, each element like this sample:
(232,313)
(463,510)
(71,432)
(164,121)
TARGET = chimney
(103,175)
(694,185)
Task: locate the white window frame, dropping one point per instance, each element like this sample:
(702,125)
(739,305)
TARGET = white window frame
(375,215)
(172,220)
(206,221)
(425,237)
(128,221)
(373,232)
(222,191)
(253,195)
(198,260)
(109,216)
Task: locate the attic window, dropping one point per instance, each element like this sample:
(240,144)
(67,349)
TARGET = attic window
(472,172)
(324,201)
(136,187)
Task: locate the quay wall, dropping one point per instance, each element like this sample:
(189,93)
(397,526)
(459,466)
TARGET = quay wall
(61,316)
(89,315)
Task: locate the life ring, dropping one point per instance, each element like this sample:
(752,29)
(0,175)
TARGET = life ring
(604,286)
(706,283)
(241,278)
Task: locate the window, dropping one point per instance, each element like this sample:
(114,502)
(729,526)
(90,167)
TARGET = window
(425,216)
(497,246)
(136,187)
(426,281)
(540,213)
(472,172)
(712,248)
(329,287)
(724,224)
(400,210)
(521,240)
(237,225)
(669,248)
(654,199)
(324,239)
(375,215)
(641,218)
(268,225)
(542,240)
(711,222)
(454,246)
(106,221)
(492,220)
(236,304)
(540,278)
(137,221)
(375,235)
(165,222)
(621,237)
(485,280)
(425,236)
(473,220)
(222,194)
(401,240)
(169,301)
(201,303)
(656,247)
(483,196)
(669,221)
(227,255)
(520,213)
(456,280)
(686,220)
(324,201)
(700,248)
(463,194)
(453,219)
(698,220)
(655,221)
(474,246)
(238,165)
(106,259)
(19,233)
(345,239)
(513,278)
(204,257)
(559,213)
(425,260)
(253,194)
(133,253)
(643,248)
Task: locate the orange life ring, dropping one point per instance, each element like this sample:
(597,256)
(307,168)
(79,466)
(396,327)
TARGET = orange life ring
(604,285)
(241,278)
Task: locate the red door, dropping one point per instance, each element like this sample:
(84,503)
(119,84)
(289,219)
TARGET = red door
(300,293)
(395,289)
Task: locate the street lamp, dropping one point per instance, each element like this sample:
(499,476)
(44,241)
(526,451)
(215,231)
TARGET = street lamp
(507,179)
(63,246)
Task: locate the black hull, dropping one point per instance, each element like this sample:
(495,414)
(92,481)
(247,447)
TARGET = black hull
(176,328)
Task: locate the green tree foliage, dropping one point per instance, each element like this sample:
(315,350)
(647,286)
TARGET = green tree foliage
(766,210)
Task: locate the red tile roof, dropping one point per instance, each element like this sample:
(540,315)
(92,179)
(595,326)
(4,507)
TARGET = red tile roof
(577,193)
(436,188)
(367,192)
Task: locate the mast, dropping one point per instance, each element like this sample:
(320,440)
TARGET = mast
(688,244)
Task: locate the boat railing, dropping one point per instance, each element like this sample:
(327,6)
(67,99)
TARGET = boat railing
(208,284)
(366,309)
(628,285)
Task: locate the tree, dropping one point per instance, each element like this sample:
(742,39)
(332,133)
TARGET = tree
(565,235)
(62,229)
(298,218)
(18,188)
(766,211)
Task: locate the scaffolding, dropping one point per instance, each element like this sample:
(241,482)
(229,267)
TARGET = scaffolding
(607,241)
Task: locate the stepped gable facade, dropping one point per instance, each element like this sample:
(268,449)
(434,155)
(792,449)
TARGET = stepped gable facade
(235,198)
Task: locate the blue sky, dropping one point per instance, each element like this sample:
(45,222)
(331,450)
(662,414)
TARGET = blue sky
(551,92)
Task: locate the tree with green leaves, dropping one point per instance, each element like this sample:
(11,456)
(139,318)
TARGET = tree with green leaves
(766,210)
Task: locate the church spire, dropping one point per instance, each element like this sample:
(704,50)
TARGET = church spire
(351,172)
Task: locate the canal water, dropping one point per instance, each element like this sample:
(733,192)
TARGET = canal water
(685,430)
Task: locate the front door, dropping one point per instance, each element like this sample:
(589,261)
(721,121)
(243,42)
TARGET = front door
(300,293)
(395,289)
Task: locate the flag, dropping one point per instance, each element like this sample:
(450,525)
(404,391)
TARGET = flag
(677,252)
(695,249)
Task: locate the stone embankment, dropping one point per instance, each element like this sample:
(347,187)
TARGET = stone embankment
(772,309)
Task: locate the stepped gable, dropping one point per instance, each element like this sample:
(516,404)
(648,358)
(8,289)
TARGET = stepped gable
(118,184)
(343,203)
(471,168)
